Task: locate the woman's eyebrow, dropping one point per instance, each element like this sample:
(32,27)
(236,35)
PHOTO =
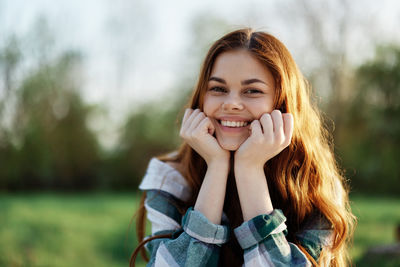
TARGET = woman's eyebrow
(245,82)
(250,81)
(220,80)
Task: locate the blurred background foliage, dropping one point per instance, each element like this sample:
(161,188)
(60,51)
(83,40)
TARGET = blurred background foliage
(370,136)
(46,142)
(51,142)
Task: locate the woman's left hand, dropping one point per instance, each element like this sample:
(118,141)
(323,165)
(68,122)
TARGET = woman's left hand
(269,136)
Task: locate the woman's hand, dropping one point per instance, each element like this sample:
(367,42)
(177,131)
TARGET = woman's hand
(268,137)
(197,130)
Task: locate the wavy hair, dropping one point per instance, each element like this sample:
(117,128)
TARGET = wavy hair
(304,178)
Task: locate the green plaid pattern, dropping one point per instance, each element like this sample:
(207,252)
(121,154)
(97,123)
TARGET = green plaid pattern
(163,203)
(196,241)
(259,236)
(198,226)
(252,232)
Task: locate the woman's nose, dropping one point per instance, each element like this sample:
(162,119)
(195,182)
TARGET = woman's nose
(232,102)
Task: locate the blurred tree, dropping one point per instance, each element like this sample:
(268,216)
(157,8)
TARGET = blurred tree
(52,146)
(371,134)
(149,132)
(48,144)
(10,58)
(45,142)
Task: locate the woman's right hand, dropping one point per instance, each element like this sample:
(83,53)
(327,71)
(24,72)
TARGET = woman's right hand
(197,130)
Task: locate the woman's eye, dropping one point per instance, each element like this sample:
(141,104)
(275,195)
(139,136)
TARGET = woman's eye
(218,89)
(253,91)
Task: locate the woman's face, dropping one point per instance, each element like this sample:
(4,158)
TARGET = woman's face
(239,91)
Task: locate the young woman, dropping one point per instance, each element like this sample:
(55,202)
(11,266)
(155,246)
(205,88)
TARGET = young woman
(255,181)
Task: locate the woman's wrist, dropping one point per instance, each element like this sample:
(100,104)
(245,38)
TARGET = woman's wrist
(221,162)
(253,191)
(220,166)
(210,200)
(243,169)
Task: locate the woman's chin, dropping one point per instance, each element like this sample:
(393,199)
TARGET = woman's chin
(231,145)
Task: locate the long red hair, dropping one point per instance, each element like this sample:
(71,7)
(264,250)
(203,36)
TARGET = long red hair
(302,179)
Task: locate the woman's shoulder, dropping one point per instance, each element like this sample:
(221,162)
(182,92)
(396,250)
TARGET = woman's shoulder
(166,176)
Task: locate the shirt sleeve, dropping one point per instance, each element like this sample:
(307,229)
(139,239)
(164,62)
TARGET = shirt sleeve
(195,240)
(263,240)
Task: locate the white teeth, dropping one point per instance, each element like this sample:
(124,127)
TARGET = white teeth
(234,123)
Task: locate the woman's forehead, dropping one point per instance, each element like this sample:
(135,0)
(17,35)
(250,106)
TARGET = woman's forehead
(239,65)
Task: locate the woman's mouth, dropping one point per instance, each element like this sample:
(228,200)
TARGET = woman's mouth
(233,124)
(229,126)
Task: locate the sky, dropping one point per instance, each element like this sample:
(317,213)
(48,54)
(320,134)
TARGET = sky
(137,51)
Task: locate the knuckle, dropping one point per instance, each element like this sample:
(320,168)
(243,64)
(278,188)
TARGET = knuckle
(276,112)
(266,115)
(255,123)
(200,115)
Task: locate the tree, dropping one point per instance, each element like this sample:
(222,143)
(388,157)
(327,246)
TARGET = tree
(371,134)
(52,146)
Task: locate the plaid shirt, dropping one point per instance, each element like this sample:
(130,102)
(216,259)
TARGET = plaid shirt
(196,241)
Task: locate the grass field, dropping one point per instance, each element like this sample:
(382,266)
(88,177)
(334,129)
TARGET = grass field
(93,229)
(377,220)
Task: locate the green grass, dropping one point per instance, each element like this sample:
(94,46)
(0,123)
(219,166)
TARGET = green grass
(377,220)
(93,229)
(66,230)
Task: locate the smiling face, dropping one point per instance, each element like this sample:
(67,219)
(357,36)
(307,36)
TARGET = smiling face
(240,90)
